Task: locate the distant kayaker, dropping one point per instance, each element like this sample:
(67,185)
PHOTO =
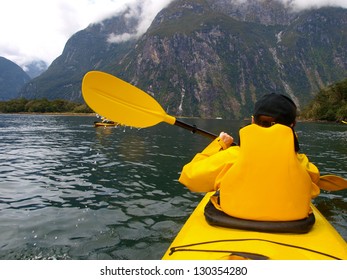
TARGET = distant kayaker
(264,178)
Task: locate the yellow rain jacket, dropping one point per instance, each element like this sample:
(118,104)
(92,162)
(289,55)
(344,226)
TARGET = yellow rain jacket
(264,179)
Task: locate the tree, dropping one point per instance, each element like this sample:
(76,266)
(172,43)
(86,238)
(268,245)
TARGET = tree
(330,104)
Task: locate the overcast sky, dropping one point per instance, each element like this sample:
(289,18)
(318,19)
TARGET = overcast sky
(38,29)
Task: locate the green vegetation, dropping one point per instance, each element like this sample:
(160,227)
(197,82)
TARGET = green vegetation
(330,104)
(43,105)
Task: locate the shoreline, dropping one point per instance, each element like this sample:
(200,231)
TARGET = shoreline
(71,114)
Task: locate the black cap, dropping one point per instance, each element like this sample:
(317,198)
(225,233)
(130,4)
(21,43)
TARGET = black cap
(278,106)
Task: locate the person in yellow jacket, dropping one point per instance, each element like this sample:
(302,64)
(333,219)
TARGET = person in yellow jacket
(264,178)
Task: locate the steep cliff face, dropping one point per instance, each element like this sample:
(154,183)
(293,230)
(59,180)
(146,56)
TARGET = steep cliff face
(197,60)
(208,58)
(12,78)
(311,53)
(265,12)
(203,71)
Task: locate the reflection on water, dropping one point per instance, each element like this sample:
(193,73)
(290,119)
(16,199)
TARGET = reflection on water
(72,191)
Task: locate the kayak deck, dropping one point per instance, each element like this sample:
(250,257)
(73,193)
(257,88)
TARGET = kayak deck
(197,240)
(105,124)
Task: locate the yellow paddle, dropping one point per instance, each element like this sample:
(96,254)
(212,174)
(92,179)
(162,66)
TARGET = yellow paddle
(122,102)
(332,183)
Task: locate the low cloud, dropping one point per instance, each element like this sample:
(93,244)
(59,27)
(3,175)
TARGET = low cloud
(306,4)
(145,11)
(113,38)
(309,4)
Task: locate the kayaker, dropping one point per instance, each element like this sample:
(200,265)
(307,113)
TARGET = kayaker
(264,178)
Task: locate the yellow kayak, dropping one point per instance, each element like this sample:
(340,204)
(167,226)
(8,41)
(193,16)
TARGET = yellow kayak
(105,124)
(198,240)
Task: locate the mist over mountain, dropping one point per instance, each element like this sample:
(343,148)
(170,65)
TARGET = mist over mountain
(12,79)
(35,68)
(208,58)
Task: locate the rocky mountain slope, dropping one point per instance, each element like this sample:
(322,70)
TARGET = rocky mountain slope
(12,79)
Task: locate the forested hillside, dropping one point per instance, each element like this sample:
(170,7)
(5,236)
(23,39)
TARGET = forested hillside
(330,104)
(42,105)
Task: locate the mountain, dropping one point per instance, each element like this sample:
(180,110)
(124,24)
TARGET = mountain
(35,68)
(86,50)
(12,79)
(209,58)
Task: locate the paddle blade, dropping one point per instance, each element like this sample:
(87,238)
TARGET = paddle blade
(121,102)
(332,183)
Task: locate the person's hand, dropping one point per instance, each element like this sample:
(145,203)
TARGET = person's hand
(226,138)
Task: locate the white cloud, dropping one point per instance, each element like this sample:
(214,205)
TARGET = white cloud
(113,38)
(307,4)
(39,29)
(146,13)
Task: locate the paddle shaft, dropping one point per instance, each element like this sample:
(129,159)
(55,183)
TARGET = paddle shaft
(195,129)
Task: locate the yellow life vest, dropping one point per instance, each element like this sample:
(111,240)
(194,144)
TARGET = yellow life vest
(267,181)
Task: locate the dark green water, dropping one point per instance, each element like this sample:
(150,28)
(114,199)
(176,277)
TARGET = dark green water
(72,191)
